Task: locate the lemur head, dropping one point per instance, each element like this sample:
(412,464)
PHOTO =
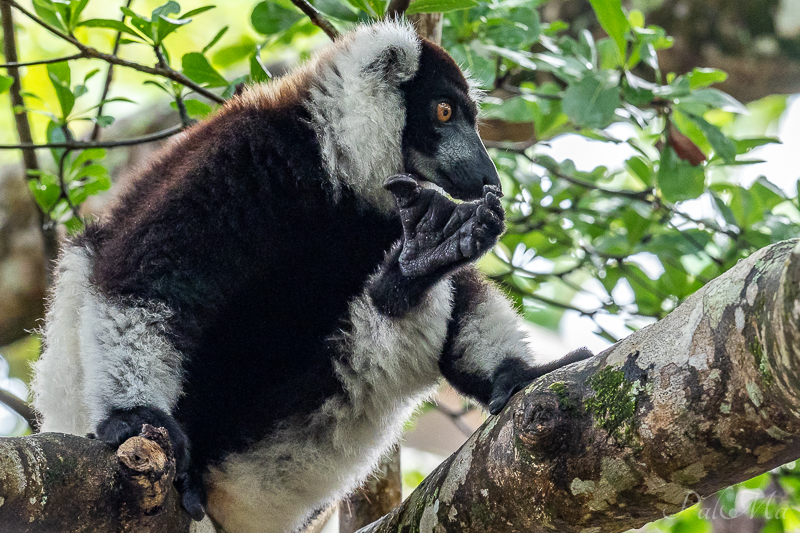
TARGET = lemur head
(384,101)
(440,142)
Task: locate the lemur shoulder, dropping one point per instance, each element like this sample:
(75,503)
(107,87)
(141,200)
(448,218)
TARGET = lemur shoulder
(265,293)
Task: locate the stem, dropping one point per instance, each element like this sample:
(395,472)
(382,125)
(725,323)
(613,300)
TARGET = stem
(109,78)
(317,19)
(93,53)
(81,145)
(42,61)
(29,159)
(21,408)
(397,8)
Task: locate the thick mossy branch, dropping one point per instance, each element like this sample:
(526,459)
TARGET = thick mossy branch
(55,483)
(707,397)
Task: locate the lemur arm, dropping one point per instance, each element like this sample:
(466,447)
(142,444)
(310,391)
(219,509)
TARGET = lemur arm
(486,355)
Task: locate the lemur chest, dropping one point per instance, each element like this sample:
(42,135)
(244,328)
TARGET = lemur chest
(313,460)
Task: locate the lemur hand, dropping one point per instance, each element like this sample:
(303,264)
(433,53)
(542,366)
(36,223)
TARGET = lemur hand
(122,424)
(440,235)
(514,375)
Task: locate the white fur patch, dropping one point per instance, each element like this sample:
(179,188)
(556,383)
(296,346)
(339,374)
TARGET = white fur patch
(357,108)
(99,355)
(392,366)
(57,383)
(490,335)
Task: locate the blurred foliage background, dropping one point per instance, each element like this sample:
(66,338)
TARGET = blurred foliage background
(637,142)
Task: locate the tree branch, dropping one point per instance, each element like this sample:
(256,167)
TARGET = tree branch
(705,398)
(42,61)
(54,482)
(29,159)
(21,408)
(397,8)
(93,53)
(317,19)
(109,78)
(82,145)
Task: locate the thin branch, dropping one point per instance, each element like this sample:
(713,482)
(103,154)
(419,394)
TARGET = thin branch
(316,18)
(43,61)
(21,408)
(82,145)
(29,159)
(93,53)
(397,8)
(636,195)
(109,78)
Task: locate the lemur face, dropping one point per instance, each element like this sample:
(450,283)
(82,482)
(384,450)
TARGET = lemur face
(440,141)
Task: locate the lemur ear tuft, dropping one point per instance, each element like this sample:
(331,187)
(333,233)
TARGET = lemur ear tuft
(388,49)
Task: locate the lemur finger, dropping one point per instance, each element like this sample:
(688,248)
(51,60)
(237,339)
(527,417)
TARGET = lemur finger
(404,188)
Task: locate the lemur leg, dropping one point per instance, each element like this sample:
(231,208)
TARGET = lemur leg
(133,376)
(439,236)
(486,355)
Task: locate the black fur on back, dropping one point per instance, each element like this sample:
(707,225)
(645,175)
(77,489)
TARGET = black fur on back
(235,229)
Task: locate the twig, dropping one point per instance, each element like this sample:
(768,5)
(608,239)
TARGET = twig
(109,78)
(81,145)
(317,19)
(640,195)
(29,159)
(93,53)
(42,61)
(21,408)
(397,8)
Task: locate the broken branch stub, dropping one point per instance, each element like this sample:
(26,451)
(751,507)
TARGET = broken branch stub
(53,482)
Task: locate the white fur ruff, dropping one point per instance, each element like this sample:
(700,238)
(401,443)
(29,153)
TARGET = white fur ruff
(357,109)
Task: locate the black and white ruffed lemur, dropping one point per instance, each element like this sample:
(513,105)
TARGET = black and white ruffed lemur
(265,293)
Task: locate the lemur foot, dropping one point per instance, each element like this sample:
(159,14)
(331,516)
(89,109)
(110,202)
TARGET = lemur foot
(513,375)
(122,424)
(440,235)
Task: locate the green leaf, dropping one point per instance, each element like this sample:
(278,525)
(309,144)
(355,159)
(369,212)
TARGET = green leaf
(521,58)
(197,11)
(195,108)
(90,154)
(703,77)
(197,68)
(641,169)
(50,13)
(60,75)
(767,194)
(612,19)
(269,18)
(45,190)
(678,179)
(743,146)
(170,8)
(722,145)
(215,40)
(716,99)
(592,101)
(336,9)
(439,6)
(5,83)
(258,72)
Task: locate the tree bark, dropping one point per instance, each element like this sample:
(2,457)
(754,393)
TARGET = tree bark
(707,397)
(52,483)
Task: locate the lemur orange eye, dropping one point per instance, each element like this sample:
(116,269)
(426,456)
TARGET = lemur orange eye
(444,112)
